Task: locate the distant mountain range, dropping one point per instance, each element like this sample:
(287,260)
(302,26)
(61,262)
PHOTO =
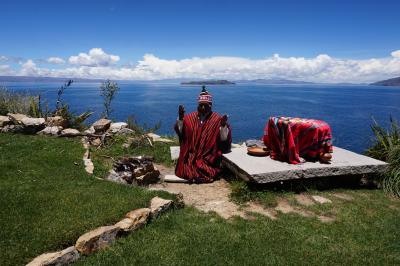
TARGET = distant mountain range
(274,81)
(209,82)
(43,79)
(190,82)
(388,82)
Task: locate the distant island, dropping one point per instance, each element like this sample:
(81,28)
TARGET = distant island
(209,82)
(388,82)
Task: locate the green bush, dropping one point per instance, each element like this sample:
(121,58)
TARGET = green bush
(386,147)
(17,102)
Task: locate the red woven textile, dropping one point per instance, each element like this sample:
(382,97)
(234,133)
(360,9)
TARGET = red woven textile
(290,138)
(201,148)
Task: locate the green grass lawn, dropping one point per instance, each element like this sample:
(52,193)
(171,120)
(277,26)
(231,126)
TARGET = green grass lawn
(366,232)
(48,201)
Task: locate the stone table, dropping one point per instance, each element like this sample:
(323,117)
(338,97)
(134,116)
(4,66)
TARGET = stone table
(266,170)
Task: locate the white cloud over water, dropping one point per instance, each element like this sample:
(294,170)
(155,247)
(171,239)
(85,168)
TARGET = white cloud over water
(55,60)
(95,57)
(322,68)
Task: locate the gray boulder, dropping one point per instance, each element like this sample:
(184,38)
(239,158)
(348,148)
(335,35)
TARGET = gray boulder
(116,127)
(101,125)
(16,118)
(33,122)
(4,120)
(70,132)
(56,121)
(50,130)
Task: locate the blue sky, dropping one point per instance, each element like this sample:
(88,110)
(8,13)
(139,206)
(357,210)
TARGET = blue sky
(179,30)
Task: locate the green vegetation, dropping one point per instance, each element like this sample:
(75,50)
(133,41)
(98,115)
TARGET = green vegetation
(62,109)
(47,200)
(12,102)
(365,233)
(108,90)
(386,147)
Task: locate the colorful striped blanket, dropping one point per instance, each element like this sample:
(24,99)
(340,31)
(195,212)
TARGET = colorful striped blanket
(290,138)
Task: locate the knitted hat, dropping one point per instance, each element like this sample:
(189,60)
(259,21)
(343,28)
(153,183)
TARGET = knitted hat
(204,96)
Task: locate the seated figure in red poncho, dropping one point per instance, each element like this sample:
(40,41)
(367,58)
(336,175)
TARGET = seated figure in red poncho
(203,135)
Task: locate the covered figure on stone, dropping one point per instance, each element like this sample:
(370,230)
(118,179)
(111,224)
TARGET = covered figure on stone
(203,136)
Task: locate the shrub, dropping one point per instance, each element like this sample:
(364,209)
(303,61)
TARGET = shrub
(108,90)
(17,102)
(62,109)
(386,147)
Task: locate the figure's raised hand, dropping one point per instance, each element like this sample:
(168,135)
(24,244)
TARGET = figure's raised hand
(181,112)
(224,119)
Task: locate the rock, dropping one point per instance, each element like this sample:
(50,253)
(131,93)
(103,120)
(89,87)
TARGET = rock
(12,129)
(32,125)
(125,131)
(96,239)
(96,142)
(179,202)
(304,200)
(116,127)
(51,130)
(115,177)
(64,257)
(321,200)
(101,126)
(90,130)
(58,121)
(70,132)
(134,220)
(148,178)
(265,170)
(159,206)
(164,140)
(89,166)
(16,118)
(153,136)
(4,120)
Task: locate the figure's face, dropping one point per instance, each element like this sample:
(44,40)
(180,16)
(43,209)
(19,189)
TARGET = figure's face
(204,108)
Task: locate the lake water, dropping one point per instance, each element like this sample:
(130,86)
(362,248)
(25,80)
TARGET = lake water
(348,109)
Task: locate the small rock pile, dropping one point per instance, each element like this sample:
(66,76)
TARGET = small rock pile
(138,171)
(58,126)
(20,123)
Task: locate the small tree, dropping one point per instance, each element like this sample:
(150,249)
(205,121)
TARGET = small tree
(108,90)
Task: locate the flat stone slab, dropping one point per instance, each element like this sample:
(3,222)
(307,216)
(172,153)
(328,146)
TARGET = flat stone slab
(174,179)
(266,170)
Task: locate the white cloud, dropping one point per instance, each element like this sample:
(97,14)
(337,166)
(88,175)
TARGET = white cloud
(396,53)
(6,70)
(95,57)
(322,68)
(55,60)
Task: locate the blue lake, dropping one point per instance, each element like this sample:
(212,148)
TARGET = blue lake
(348,109)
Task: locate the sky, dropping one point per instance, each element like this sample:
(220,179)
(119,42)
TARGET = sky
(320,40)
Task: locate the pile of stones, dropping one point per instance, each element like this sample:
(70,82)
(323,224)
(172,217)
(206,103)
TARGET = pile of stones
(57,126)
(134,170)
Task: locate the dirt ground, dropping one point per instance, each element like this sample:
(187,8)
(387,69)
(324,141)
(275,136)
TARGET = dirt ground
(215,197)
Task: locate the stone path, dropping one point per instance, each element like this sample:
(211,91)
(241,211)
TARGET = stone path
(214,197)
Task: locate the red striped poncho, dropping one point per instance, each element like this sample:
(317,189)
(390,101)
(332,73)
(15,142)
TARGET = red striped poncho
(290,138)
(201,148)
